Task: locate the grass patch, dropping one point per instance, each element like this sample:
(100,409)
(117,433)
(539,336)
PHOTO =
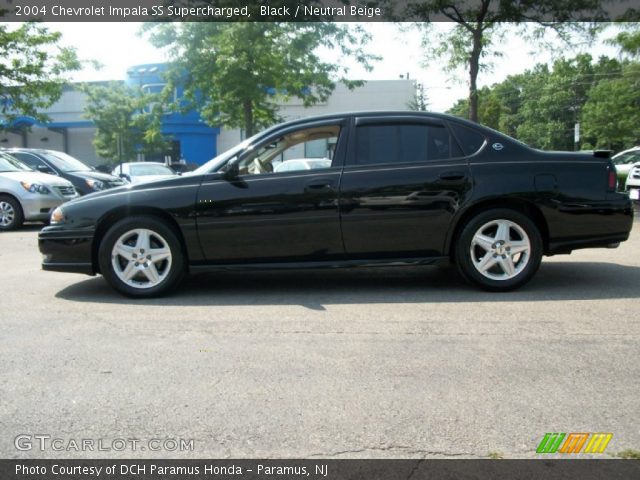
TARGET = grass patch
(629,453)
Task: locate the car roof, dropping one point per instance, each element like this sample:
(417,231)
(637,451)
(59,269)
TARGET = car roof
(400,113)
(34,150)
(140,163)
(376,113)
(632,149)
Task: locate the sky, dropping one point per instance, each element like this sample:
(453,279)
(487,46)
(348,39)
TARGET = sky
(118,46)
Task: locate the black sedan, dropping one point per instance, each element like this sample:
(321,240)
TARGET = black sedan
(84,178)
(396,188)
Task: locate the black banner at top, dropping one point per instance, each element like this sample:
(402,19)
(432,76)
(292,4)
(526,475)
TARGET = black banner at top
(316,10)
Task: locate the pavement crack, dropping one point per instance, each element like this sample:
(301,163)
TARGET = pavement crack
(400,449)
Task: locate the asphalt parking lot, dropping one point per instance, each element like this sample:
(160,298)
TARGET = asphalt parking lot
(364,363)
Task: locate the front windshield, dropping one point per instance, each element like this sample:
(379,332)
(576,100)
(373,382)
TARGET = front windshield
(150,169)
(65,162)
(215,163)
(10,164)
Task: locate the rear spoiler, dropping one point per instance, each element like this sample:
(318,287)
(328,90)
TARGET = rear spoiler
(602,153)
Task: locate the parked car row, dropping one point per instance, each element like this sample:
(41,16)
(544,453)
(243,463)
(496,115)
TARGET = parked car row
(84,178)
(33,182)
(28,195)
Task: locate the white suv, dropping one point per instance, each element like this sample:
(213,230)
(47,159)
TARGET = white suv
(28,195)
(633,182)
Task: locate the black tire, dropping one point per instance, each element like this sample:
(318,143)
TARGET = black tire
(504,270)
(11,216)
(161,237)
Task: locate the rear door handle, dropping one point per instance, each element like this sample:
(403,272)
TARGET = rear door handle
(452,176)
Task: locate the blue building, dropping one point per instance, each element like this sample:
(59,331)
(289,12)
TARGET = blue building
(192,139)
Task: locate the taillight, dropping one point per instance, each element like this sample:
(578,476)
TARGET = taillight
(613,179)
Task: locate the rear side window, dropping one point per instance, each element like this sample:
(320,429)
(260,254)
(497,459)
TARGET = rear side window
(470,140)
(403,143)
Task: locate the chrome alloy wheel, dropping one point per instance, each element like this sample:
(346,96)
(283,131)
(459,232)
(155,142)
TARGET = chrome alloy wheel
(141,258)
(500,249)
(7,214)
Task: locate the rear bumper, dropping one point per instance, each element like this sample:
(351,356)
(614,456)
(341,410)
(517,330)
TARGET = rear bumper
(66,251)
(592,225)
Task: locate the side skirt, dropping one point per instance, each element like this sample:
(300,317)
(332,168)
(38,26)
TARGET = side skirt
(387,262)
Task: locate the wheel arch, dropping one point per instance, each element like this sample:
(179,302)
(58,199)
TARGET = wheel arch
(520,205)
(16,199)
(113,216)
(12,196)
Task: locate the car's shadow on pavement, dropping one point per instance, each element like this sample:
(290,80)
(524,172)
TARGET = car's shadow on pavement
(555,281)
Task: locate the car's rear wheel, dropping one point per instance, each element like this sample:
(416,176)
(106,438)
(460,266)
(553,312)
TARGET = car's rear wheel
(499,249)
(141,257)
(11,216)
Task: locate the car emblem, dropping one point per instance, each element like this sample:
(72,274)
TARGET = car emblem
(497,146)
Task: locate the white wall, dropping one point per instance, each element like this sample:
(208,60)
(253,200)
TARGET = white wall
(81,146)
(43,138)
(12,140)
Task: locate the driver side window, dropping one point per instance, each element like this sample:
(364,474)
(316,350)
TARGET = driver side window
(309,149)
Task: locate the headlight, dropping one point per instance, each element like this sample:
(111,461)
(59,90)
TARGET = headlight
(57,216)
(35,188)
(95,184)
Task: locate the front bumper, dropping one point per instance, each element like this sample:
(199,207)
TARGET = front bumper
(67,250)
(38,207)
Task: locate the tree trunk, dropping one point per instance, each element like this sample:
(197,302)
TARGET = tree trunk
(248,118)
(474,67)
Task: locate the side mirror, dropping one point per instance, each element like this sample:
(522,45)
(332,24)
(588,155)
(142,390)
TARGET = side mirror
(233,169)
(125,176)
(45,169)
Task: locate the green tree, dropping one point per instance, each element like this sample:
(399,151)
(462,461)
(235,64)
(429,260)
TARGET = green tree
(420,102)
(480,26)
(127,121)
(611,115)
(32,68)
(234,74)
(541,106)
(553,100)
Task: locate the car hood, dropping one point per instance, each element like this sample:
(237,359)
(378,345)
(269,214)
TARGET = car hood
(151,178)
(175,181)
(93,175)
(37,177)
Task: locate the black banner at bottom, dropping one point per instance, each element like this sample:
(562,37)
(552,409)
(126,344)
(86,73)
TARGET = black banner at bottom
(319,469)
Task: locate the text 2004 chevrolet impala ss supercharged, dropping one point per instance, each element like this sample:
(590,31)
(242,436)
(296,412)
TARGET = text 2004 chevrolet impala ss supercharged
(375,188)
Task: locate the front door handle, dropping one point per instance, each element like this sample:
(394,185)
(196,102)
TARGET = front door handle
(318,186)
(452,176)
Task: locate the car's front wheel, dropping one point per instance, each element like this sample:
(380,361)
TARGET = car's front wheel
(141,257)
(499,250)
(11,216)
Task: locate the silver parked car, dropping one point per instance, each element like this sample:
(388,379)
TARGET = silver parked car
(28,195)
